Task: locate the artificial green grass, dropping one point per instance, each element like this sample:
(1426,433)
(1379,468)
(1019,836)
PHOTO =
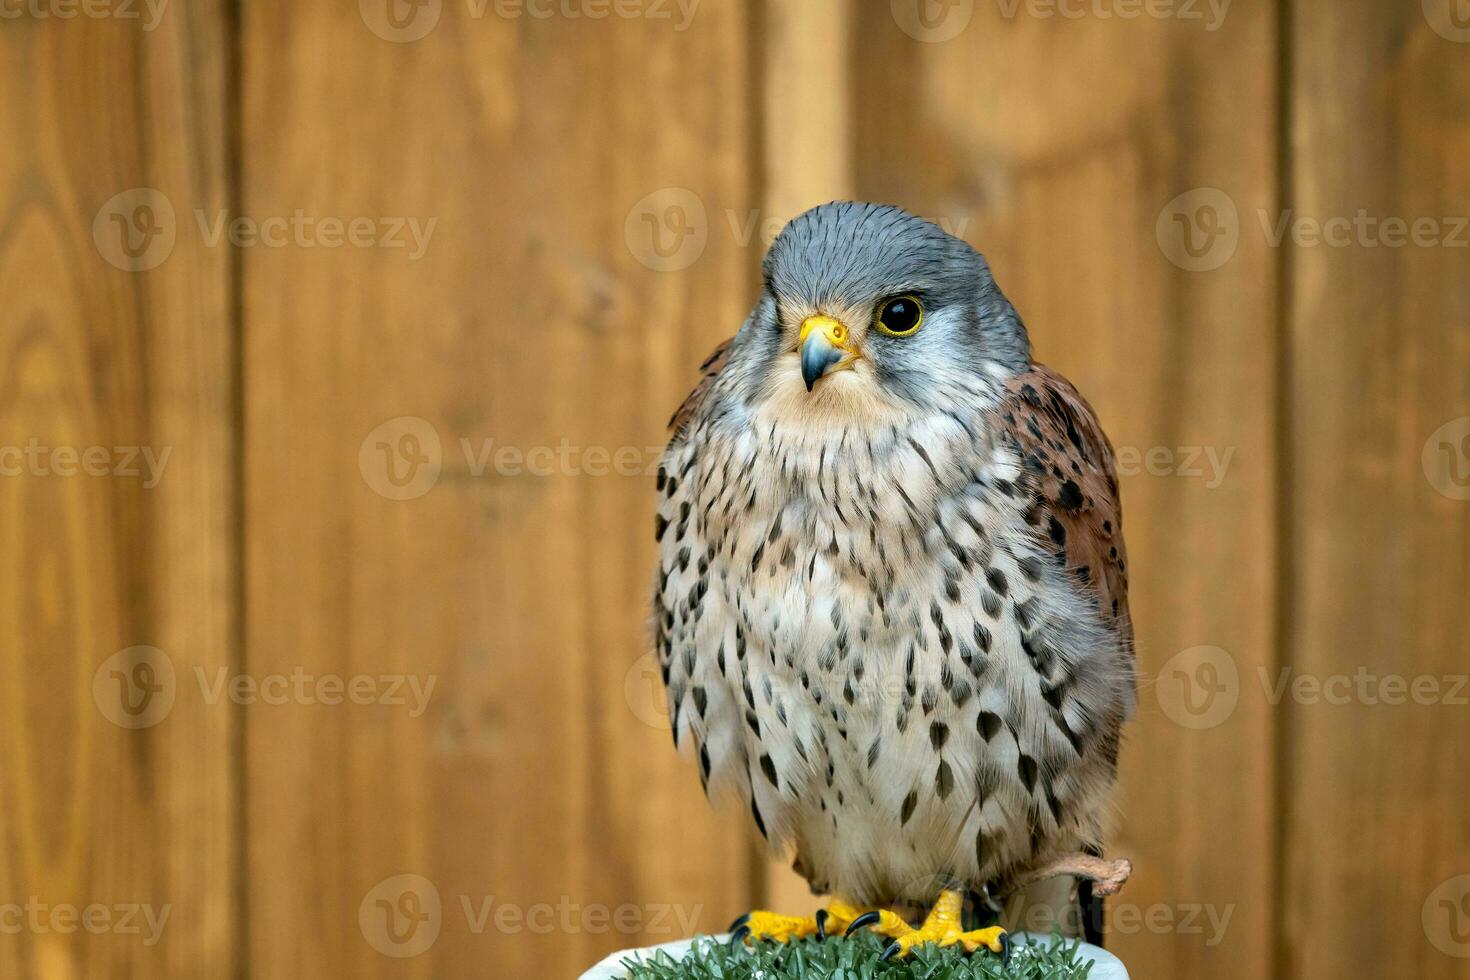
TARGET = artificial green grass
(857,958)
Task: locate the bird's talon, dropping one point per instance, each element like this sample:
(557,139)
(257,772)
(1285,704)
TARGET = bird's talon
(1005,948)
(866,919)
(942,928)
(757,926)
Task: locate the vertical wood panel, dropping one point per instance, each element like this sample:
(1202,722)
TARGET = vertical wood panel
(591,186)
(540,316)
(1053,143)
(1377,847)
(94,353)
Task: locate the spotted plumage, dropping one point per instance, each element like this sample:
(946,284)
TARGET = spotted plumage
(891,606)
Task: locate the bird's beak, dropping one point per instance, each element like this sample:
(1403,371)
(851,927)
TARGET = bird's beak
(824,347)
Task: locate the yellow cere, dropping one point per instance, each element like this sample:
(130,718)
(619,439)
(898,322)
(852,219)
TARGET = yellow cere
(835,330)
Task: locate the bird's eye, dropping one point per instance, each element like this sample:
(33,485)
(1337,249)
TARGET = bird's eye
(900,316)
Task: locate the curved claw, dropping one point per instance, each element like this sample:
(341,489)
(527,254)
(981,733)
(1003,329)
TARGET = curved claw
(742,920)
(1005,948)
(866,919)
(738,936)
(821,924)
(892,950)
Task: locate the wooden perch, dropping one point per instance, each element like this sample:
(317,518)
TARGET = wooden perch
(1107,877)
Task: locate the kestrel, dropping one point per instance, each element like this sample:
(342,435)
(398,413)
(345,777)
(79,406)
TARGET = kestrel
(891,605)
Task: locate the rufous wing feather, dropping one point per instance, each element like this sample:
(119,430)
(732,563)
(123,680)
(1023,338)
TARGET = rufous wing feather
(1070,471)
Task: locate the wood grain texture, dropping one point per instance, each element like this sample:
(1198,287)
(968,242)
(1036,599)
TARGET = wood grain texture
(112,553)
(806,92)
(602,190)
(1053,143)
(540,782)
(1375,794)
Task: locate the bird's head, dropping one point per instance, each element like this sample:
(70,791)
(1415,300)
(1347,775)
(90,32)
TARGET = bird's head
(867,308)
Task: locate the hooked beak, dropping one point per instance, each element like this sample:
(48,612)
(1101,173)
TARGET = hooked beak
(824,348)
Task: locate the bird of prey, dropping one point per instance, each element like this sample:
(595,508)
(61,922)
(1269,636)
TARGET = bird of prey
(891,605)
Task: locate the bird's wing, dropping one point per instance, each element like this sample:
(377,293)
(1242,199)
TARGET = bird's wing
(710,369)
(1069,471)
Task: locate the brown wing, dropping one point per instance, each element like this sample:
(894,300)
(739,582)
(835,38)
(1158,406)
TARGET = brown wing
(1069,471)
(711,368)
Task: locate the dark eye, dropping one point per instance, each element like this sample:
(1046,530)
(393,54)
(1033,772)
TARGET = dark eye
(900,316)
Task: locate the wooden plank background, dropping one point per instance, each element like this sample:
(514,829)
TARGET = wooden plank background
(94,814)
(1373,835)
(428,465)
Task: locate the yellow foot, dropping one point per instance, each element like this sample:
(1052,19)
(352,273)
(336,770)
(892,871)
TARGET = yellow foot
(942,927)
(837,917)
(771,926)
